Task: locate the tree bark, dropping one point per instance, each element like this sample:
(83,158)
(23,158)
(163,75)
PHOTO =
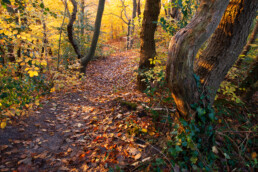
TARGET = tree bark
(2,56)
(128,36)
(175,13)
(45,41)
(85,60)
(248,45)
(148,49)
(60,36)
(183,49)
(139,8)
(131,25)
(70,30)
(225,45)
(82,17)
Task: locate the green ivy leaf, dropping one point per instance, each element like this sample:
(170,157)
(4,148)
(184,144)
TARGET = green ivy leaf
(212,116)
(41,5)
(193,159)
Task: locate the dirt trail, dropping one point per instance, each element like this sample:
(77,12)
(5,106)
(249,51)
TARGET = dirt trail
(83,130)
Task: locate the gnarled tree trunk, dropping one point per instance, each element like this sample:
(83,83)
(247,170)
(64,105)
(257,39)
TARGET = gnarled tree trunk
(183,49)
(214,62)
(85,60)
(70,30)
(148,49)
(225,45)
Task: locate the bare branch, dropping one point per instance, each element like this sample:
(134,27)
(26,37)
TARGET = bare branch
(118,17)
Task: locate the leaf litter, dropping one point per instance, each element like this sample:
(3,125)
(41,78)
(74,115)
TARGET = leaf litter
(84,129)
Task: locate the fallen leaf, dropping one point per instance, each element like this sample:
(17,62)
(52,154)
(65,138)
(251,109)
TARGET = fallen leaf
(138,156)
(144,130)
(253,155)
(3,125)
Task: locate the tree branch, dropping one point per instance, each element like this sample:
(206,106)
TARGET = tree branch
(70,29)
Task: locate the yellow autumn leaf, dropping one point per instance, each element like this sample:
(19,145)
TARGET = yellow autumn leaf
(23,63)
(144,130)
(27,59)
(15,32)
(37,62)
(3,125)
(253,155)
(37,102)
(19,60)
(151,133)
(52,90)
(33,73)
(1,104)
(44,63)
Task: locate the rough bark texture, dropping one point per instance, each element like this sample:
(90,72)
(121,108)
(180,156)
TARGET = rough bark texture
(2,56)
(45,40)
(132,24)
(82,17)
(225,45)
(60,36)
(182,51)
(174,13)
(128,36)
(86,60)
(148,50)
(70,30)
(248,45)
(139,8)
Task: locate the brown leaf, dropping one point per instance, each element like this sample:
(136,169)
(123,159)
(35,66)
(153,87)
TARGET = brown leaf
(138,156)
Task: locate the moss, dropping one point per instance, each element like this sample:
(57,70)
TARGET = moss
(127,104)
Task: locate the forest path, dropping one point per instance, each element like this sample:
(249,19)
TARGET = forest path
(83,130)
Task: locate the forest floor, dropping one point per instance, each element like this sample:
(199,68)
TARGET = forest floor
(86,128)
(100,123)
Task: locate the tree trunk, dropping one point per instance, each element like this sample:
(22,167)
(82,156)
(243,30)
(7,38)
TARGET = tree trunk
(148,49)
(2,56)
(128,34)
(175,14)
(248,45)
(45,41)
(60,36)
(85,60)
(183,49)
(10,55)
(82,17)
(131,25)
(225,45)
(139,8)
(70,30)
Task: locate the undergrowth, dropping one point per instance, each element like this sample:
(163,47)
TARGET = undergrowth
(222,137)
